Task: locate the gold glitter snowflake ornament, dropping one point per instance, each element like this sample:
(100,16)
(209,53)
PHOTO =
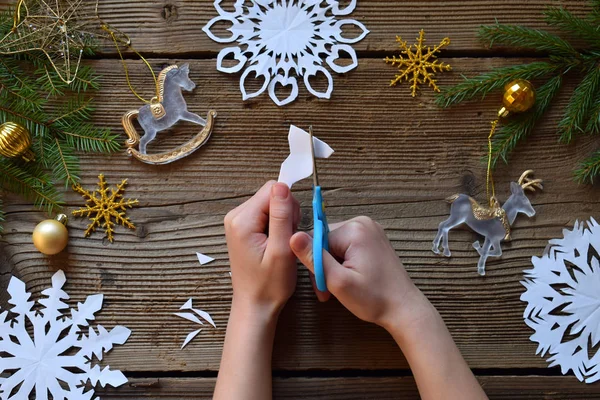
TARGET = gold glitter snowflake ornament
(420,65)
(103,205)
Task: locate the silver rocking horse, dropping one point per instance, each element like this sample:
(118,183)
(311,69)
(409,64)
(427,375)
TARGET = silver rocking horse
(492,222)
(162,113)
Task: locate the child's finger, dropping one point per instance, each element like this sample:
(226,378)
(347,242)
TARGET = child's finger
(281,222)
(336,275)
(253,215)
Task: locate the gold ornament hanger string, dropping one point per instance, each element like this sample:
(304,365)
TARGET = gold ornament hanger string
(518,96)
(489,178)
(127,43)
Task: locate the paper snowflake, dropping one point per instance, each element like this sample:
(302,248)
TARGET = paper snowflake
(563,296)
(102,207)
(277,39)
(420,65)
(56,359)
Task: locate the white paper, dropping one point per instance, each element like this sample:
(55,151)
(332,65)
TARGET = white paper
(189,337)
(203,258)
(298,165)
(556,333)
(192,316)
(39,361)
(205,315)
(281,42)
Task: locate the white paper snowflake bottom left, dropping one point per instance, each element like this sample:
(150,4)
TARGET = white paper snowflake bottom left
(57,361)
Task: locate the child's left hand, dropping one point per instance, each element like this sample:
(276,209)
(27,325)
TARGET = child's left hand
(263,266)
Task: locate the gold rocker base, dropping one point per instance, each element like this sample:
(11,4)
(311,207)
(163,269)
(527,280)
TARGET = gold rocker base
(168,156)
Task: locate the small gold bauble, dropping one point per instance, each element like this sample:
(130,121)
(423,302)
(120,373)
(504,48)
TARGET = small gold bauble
(51,236)
(519,96)
(15,141)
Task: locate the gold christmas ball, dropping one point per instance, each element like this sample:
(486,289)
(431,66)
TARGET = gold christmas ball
(519,96)
(51,236)
(15,141)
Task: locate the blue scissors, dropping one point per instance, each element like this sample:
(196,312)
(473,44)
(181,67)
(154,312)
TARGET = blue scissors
(321,229)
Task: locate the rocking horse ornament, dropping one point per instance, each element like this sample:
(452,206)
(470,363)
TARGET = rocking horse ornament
(493,222)
(164,111)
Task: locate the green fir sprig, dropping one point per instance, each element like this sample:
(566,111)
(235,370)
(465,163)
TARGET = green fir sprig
(57,115)
(582,113)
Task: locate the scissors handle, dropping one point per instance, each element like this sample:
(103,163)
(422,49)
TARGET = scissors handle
(320,238)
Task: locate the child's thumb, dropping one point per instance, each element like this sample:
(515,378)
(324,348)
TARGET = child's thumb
(302,246)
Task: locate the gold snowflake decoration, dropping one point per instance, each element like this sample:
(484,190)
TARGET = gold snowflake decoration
(420,65)
(103,206)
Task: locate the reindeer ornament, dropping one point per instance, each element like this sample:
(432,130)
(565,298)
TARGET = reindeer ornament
(493,222)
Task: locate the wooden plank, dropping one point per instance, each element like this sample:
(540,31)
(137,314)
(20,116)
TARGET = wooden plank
(396,159)
(496,387)
(175,26)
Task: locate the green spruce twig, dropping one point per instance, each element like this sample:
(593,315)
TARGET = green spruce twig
(57,115)
(582,113)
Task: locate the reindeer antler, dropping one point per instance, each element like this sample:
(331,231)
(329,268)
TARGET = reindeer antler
(528,183)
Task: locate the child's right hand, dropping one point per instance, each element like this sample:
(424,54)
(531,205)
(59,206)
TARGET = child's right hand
(370,281)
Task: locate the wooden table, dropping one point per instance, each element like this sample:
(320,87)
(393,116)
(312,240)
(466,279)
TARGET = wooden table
(396,159)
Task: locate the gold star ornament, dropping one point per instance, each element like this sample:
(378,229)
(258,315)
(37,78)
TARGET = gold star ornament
(104,205)
(60,29)
(418,63)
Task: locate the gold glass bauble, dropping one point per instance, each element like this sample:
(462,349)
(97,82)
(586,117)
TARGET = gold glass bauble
(51,236)
(519,96)
(15,141)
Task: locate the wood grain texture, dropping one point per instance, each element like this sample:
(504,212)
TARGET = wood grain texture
(396,159)
(158,27)
(496,387)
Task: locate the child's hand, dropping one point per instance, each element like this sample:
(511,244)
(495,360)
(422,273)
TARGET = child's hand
(263,267)
(370,281)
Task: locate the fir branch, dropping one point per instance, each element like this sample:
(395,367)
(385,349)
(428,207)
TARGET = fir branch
(523,37)
(482,85)
(519,127)
(593,125)
(580,106)
(579,27)
(30,182)
(62,161)
(588,169)
(88,138)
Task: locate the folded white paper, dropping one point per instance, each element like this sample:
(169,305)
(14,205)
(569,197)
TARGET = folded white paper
(298,165)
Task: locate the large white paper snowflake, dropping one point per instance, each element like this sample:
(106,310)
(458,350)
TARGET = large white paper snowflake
(563,296)
(57,360)
(277,39)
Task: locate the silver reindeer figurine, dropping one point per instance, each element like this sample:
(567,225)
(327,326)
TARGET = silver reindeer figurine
(492,222)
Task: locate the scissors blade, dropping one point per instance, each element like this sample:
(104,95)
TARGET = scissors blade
(314,161)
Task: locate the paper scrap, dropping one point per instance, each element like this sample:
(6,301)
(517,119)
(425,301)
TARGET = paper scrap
(203,258)
(58,359)
(189,337)
(191,316)
(298,165)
